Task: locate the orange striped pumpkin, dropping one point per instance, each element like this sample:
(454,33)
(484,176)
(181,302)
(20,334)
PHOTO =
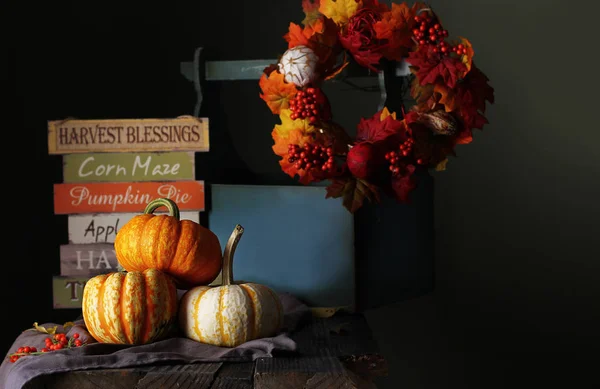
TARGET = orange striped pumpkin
(184,249)
(130,307)
(231,314)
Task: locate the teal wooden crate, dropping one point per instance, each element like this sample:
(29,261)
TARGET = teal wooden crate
(295,240)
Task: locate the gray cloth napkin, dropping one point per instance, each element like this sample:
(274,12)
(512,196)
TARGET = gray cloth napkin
(174,349)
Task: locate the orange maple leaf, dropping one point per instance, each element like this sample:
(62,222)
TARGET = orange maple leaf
(324,42)
(396,27)
(276,92)
(339,10)
(298,36)
(446,96)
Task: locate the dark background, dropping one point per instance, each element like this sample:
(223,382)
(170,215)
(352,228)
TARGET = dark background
(516,302)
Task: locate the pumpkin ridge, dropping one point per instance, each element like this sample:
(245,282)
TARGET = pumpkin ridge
(101,315)
(195,315)
(252,322)
(122,302)
(150,307)
(220,315)
(85,310)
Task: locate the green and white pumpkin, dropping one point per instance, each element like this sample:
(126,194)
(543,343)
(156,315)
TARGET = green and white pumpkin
(230,314)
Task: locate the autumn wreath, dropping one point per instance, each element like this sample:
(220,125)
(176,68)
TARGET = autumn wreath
(449,92)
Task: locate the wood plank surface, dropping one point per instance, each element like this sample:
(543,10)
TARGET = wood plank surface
(196,376)
(103,227)
(293,371)
(304,372)
(122,167)
(185,133)
(87,260)
(113,197)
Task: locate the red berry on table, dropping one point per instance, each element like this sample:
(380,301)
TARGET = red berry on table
(45,350)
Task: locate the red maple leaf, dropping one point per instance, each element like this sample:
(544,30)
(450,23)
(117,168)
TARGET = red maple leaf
(431,68)
(404,183)
(396,27)
(374,129)
(472,94)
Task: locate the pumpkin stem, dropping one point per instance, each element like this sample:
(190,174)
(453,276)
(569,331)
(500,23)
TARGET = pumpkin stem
(227,277)
(157,203)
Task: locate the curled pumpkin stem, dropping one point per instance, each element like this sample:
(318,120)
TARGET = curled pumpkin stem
(232,243)
(163,202)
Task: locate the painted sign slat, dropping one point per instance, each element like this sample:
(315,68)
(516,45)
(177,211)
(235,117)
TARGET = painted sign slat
(67,291)
(184,133)
(117,197)
(119,167)
(103,227)
(86,260)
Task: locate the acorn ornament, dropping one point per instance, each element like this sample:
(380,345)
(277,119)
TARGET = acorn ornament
(298,65)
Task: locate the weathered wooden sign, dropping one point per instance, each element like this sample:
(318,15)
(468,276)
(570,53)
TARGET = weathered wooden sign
(70,136)
(67,291)
(103,227)
(86,260)
(119,167)
(116,197)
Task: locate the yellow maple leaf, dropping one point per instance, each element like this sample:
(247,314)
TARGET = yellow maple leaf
(385,113)
(339,10)
(288,124)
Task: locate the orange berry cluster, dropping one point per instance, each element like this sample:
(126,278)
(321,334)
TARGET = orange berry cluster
(56,342)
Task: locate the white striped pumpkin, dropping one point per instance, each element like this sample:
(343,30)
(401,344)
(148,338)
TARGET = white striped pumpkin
(230,314)
(130,307)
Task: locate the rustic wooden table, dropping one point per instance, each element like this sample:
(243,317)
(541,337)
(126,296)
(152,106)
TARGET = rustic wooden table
(334,352)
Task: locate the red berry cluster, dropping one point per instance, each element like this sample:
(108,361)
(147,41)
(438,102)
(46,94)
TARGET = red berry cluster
(428,30)
(431,32)
(305,105)
(56,342)
(394,157)
(311,157)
